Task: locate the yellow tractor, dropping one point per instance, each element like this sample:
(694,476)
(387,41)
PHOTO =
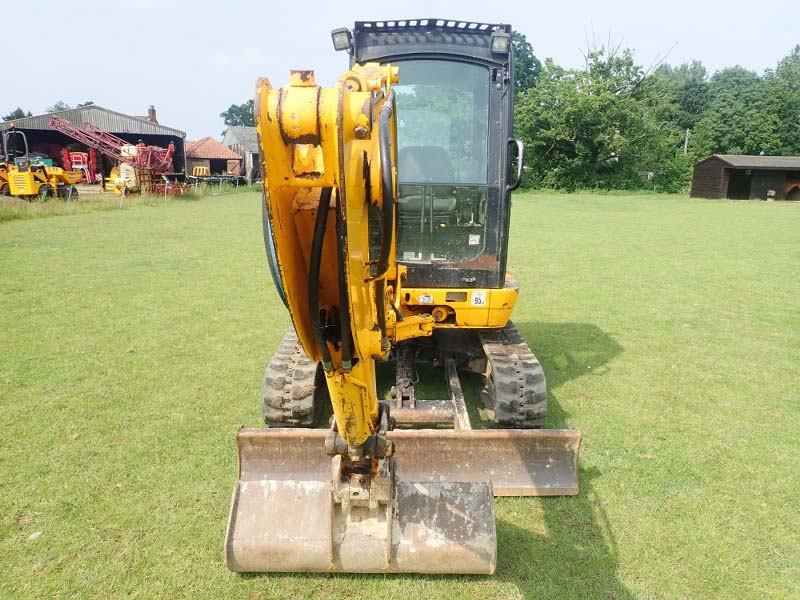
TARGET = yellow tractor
(30,178)
(386,218)
(4,191)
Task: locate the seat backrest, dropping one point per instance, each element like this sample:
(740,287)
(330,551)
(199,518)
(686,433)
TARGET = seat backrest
(424,163)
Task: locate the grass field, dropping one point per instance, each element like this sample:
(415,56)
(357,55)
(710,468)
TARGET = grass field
(14,209)
(134,343)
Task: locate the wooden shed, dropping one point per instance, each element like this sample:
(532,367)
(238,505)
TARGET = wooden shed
(744,177)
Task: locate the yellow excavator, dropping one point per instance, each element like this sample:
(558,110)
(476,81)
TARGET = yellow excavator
(386,214)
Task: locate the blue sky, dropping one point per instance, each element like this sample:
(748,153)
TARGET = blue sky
(193,59)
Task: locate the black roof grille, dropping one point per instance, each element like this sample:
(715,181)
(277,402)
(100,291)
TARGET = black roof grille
(410,25)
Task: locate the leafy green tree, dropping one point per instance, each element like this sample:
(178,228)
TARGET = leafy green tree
(608,70)
(239,114)
(527,68)
(785,84)
(58,107)
(672,173)
(17,113)
(674,99)
(678,95)
(741,118)
(585,128)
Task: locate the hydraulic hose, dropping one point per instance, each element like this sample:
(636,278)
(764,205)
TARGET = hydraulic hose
(269,245)
(313,275)
(387,186)
(387,211)
(344,299)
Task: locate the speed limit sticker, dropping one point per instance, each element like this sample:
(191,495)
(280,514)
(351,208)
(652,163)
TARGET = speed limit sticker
(478,298)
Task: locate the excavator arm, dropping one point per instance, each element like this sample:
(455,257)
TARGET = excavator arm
(331,155)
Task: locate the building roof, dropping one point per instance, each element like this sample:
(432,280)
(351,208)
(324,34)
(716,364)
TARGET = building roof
(244,136)
(105,119)
(209,148)
(772,163)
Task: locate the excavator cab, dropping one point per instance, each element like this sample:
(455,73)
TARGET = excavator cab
(386,212)
(455,145)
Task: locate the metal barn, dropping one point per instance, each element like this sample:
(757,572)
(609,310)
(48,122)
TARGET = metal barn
(47,140)
(244,141)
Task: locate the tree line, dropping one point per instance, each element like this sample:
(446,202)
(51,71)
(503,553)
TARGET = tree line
(613,124)
(60,105)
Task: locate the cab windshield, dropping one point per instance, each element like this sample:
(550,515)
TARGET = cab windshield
(442,134)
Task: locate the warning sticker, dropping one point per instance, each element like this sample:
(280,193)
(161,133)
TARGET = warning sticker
(478,298)
(425,299)
(474,239)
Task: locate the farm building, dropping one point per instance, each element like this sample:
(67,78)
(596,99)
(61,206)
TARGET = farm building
(47,141)
(744,177)
(244,141)
(209,153)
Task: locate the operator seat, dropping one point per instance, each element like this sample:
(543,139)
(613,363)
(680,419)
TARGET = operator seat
(420,165)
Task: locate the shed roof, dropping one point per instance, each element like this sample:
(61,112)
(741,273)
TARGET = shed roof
(209,148)
(244,136)
(105,119)
(773,163)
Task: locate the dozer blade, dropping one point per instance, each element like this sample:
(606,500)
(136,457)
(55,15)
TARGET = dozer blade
(441,519)
(518,462)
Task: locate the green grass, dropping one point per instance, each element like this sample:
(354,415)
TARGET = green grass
(134,343)
(13,209)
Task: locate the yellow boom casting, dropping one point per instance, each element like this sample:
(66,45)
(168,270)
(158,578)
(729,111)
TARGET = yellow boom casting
(332,141)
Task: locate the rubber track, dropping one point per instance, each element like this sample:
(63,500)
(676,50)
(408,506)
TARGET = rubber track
(515,386)
(293,386)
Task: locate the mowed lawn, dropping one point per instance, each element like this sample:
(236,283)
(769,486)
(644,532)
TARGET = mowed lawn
(134,341)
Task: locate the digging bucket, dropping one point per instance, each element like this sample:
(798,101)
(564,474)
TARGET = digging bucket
(441,517)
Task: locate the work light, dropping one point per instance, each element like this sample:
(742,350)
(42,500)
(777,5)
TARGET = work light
(500,42)
(342,39)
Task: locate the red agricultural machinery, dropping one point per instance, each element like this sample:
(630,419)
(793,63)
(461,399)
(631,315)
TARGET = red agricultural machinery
(146,164)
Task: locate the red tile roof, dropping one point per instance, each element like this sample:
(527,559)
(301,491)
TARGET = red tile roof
(209,148)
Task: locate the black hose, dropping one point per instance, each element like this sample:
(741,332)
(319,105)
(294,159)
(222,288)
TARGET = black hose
(387,211)
(387,187)
(269,245)
(313,275)
(344,299)
(380,299)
